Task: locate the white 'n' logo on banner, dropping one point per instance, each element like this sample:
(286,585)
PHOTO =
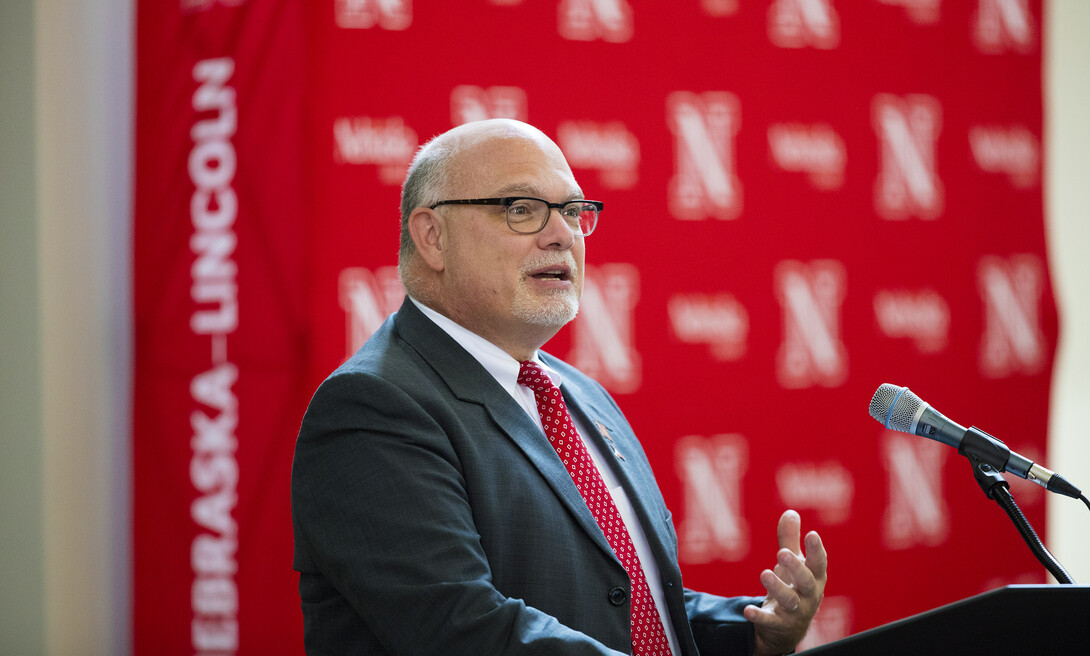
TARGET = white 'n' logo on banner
(916,515)
(365,14)
(1011,290)
(704,183)
(801,23)
(367,299)
(1002,26)
(712,470)
(471,103)
(907,184)
(603,338)
(811,296)
(589,20)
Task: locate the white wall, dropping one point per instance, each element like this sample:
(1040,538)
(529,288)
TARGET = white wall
(1067,206)
(65,162)
(22,568)
(84,144)
(65,172)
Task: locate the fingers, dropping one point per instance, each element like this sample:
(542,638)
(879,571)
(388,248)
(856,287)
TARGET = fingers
(760,616)
(796,576)
(798,573)
(795,586)
(780,571)
(817,561)
(780,591)
(789,531)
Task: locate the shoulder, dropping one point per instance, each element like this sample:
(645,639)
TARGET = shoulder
(392,352)
(384,373)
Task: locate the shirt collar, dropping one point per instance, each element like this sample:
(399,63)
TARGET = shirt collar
(499,363)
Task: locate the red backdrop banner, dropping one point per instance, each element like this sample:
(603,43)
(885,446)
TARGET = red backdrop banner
(804,199)
(220,324)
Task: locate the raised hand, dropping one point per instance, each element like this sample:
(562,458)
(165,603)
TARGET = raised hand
(795,588)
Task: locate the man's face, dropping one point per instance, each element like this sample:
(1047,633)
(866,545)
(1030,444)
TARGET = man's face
(513,289)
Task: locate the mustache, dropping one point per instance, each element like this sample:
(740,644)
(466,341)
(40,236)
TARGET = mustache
(540,262)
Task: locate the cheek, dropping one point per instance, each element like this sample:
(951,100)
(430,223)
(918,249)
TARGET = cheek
(486,265)
(485,279)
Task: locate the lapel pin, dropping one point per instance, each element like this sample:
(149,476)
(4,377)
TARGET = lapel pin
(609,439)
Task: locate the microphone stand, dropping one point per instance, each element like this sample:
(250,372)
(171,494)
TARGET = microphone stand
(983,454)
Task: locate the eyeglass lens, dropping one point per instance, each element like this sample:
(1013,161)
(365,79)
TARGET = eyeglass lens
(531,215)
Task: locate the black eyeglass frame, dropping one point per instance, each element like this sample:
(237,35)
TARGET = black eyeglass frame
(508,201)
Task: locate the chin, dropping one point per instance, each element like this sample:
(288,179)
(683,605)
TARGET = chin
(551,314)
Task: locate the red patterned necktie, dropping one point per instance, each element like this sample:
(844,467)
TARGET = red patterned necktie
(648,636)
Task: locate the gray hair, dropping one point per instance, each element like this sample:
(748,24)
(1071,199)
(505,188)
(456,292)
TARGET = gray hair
(424,185)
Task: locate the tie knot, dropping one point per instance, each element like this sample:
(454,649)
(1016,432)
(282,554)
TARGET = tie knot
(534,377)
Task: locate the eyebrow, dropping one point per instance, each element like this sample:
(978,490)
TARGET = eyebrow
(574,193)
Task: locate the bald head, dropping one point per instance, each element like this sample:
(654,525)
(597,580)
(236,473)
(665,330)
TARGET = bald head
(454,160)
(464,260)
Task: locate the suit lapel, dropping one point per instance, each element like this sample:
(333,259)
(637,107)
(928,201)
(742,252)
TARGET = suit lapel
(471,382)
(632,470)
(622,455)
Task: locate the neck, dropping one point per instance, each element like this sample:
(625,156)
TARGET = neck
(521,343)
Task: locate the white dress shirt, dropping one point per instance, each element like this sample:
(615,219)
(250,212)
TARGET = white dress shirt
(505,369)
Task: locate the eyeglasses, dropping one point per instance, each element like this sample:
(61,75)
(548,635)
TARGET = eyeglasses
(529,215)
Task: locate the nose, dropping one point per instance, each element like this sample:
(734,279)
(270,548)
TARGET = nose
(557,233)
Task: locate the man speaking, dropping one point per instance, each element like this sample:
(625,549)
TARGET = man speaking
(455,490)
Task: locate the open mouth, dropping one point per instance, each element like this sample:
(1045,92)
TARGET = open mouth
(559,273)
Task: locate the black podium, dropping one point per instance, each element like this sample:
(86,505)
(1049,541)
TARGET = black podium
(1018,619)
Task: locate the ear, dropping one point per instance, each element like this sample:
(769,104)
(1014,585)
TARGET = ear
(428,231)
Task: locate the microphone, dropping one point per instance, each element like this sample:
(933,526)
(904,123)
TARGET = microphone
(897,408)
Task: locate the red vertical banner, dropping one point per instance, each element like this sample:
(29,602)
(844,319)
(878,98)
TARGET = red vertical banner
(219,318)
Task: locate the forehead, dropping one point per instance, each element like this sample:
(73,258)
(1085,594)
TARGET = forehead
(513,164)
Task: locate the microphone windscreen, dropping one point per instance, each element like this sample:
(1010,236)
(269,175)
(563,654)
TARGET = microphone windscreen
(894,407)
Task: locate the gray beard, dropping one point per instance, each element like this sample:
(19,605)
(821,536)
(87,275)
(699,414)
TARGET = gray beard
(557,312)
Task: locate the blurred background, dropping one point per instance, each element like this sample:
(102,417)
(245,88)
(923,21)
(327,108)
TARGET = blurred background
(66,175)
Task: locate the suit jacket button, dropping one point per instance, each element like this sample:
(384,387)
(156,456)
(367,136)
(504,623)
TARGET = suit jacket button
(618,596)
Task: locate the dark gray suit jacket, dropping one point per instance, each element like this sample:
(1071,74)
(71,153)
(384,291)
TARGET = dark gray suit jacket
(430,516)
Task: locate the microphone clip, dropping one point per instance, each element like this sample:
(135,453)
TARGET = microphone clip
(988,456)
